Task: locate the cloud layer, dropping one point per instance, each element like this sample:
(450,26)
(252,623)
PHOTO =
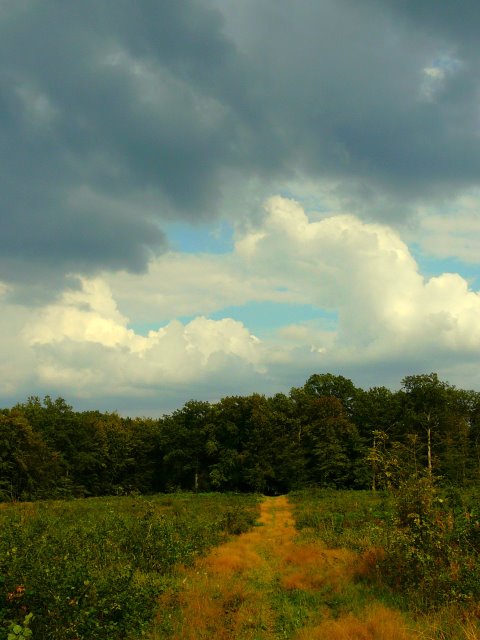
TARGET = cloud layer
(116,118)
(389,315)
(123,121)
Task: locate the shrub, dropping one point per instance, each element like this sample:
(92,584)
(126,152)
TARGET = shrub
(93,569)
(432,552)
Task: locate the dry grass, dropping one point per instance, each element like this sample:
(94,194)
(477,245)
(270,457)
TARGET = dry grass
(377,623)
(232,558)
(309,567)
(450,623)
(217,611)
(229,594)
(471,630)
(218,600)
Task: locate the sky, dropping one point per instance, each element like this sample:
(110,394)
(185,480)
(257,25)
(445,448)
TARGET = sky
(211,197)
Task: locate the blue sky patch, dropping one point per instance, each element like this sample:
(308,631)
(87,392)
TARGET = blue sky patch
(260,318)
(206,238)
(431,266)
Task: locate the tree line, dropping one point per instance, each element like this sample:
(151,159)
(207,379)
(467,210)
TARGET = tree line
(328,433)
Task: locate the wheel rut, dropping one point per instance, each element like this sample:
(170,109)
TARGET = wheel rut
(267,584)
(227,594)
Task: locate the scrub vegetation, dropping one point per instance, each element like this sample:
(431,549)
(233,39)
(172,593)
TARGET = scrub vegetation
(95,568)
(416,550)
(320,563)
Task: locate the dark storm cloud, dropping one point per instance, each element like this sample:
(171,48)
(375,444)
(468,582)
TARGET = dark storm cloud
(77,113)
(348,91)
(458,21)
(116,115)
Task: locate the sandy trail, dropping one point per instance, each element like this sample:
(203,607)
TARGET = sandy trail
(237,592)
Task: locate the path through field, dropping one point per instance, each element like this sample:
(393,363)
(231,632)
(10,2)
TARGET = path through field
(266,584)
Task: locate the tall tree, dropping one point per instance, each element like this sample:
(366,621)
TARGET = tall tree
(425,406)
(330,441)
(29,469)
(184,441)
(330,385)
(376,413)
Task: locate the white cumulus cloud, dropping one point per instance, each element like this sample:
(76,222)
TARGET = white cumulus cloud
(83,341)
(375,310)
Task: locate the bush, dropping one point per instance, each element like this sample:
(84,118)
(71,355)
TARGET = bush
(432,550)
(93,569)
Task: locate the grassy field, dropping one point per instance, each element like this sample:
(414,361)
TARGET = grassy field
(356,520)
(275,582)
(94,568)
(426,569)
(340,565)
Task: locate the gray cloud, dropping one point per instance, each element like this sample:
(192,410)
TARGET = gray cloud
(116,116)
(459,22)
(345,89)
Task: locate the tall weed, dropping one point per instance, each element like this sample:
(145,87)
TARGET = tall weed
(433,554)
(343,518)
(93,569)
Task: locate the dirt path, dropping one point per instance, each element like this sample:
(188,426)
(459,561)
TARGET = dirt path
(266,585)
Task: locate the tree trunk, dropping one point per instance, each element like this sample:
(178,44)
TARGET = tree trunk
(429,449)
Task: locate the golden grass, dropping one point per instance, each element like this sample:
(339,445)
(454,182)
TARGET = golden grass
(377,623)
(471,630)
(310,566)
(217,600)
(232,558)
(219,611)
(228,594)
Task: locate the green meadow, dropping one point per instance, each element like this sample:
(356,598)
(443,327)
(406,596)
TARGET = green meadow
(101,567)
(94,568)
